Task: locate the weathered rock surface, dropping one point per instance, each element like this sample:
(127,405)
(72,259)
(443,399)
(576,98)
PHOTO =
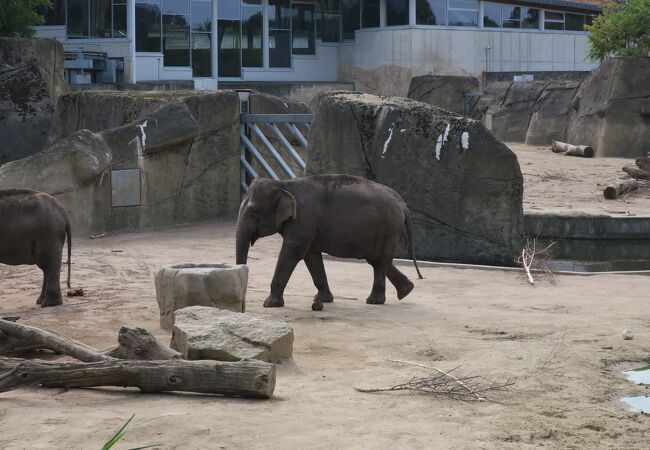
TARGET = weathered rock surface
(463,187)
(208,333)
(445,92)
(551,113)
(215,285)
(76,170)
(31,81)
(510,119)
(611,111)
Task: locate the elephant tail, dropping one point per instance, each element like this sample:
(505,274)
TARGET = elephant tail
(68,233)
(409,238)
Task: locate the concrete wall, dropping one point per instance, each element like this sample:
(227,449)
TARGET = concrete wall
(384,61)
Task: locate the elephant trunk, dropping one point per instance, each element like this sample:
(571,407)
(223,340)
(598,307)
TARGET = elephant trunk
(243,240)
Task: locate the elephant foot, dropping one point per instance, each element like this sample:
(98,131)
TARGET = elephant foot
(323,297)
(39,300)
(317,306)
(376,299)
(405,289)
(51,301)
(273,302)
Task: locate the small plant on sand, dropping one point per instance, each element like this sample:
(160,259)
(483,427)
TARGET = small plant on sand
(120,434)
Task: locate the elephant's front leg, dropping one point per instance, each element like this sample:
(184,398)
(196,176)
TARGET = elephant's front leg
(314,262)
(290,255)
(378,293)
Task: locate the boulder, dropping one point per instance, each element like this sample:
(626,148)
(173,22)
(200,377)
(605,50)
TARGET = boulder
(31,81)
(445,92)
(551,113)
(76,171)
(611,111)
(511,117)
(208,333)
(215,285)
(463,186)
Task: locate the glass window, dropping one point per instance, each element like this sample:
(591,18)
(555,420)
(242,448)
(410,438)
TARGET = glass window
(328,20)
(370,14)
(350,11)
(54,15)
(530,18)
(279,12)
(119,20)
(574,22)
(201,55)
(229,41)
(77,18)
(511,16)
(229,9)
(589,20)
(147,27)
(303,31)
(176,40)
(463,13)
(430,12)
(178,7)
(252,38)
(397,12)
(491,15)
(100,18)
(201,16)
(553,20)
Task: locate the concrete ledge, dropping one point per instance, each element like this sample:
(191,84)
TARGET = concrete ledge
(586,226)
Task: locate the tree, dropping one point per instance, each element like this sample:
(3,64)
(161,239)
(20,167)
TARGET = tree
(18,17)
(622,30)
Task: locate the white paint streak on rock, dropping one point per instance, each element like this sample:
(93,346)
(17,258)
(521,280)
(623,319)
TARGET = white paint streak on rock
(441,141)
(143,140)
(390,136)
(403,130)
(464,140)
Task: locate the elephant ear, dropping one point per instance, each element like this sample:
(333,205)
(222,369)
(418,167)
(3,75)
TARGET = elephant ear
(285,207)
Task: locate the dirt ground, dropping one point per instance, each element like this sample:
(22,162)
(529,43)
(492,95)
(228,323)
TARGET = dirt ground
(561,345)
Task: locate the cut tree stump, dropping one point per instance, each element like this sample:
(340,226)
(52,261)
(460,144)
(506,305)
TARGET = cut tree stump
(140,344)
(246,378)
(643,163)
(620,187)
(572,150)
(637,173)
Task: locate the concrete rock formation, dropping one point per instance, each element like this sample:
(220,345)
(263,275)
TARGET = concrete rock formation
(445,92)
(31,81)
(463,187)
(208,333)
(551,112)
(611,111)
(215,285)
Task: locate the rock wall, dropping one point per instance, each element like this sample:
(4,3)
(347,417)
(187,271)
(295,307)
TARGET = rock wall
(611,111)
(463,187)
(31,81)
(445,92)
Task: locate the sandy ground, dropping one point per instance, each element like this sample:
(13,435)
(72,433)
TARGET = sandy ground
(561,345)
(558,183)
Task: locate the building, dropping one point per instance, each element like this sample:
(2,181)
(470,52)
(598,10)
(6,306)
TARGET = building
(379,44)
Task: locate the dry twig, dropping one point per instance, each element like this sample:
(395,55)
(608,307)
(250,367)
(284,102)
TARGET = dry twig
(534,260)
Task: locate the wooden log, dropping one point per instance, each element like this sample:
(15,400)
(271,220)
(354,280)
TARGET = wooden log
(637,173)
(643,163)
(572,150)
(620,187)
(50,340)
(247,378)
(138,343)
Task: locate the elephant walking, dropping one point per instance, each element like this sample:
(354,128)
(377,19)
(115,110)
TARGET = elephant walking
(33,229)
(342,215)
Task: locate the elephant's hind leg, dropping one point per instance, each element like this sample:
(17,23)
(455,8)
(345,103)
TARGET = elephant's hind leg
(401,282)
(314,262)
(378,293)
(43,291)
(52,284)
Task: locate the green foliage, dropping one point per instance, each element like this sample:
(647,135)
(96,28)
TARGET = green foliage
(120,434)
(622,30)
(18,17)
(642,369)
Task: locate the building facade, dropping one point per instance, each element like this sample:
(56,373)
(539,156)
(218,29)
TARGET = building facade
(366,41)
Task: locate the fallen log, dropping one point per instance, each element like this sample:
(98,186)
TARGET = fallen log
(620,187)
(138,343)
(637,173)
(41,339)
(572,150)
(643,163)
(247,378)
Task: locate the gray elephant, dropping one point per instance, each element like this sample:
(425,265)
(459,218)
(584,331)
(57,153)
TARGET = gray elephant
(33,229)
(345,216)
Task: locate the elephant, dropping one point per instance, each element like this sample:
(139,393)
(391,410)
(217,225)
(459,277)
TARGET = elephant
(342,215)
(33,230)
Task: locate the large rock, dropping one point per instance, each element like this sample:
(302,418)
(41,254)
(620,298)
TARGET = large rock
(611,111)
(463,187)
(76,170)
(208,333)
(445,92)
(216,285)
(511,117)
(551,113)
(31,81)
